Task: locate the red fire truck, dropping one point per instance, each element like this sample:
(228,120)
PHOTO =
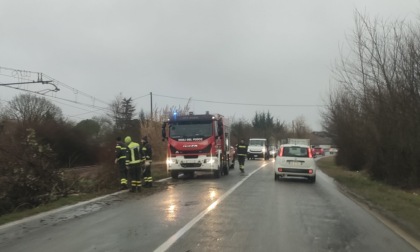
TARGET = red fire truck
(197,143)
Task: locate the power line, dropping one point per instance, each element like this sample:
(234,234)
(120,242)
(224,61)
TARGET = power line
(239,103)
(76,102)
(42,78)
(141,97)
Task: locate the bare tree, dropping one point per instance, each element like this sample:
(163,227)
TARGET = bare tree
(122,112)
(374,114)
(299,128)
(29,108)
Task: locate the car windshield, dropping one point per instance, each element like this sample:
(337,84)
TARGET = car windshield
(191,130)
(295,151)
(256,142)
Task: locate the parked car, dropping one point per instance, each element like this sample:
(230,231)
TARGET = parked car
(318,151)
(295,161)
(333,150)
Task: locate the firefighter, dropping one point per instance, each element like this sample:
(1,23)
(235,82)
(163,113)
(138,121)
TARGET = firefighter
(133,162)
(242,150)
(120,154)
(146,152)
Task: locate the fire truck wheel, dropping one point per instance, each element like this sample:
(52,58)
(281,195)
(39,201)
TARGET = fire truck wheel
(189,174)
(174,174)
(225,170)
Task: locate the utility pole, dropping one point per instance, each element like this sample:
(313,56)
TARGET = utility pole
(151,106)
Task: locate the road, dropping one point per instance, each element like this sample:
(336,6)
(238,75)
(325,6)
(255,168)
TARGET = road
(249,212)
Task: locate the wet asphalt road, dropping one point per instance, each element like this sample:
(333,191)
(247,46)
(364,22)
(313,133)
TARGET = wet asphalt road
(250,212)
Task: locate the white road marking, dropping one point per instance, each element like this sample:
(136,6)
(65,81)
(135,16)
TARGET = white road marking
(168,243)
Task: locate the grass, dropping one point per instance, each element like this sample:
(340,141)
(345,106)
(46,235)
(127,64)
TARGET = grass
(158,172)
(72,199)
(399,206)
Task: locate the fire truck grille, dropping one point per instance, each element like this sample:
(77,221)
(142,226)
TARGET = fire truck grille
(202,151)
(186,165)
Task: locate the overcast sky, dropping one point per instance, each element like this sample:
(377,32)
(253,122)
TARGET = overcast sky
(233,57)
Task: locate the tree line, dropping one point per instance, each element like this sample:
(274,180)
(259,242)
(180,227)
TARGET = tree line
(374,113)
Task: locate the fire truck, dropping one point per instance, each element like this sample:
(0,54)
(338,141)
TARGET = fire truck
(197,143)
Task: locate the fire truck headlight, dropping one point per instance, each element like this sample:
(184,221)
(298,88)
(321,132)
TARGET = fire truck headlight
(169,161)
(211,161)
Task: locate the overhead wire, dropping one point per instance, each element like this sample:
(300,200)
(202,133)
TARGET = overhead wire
(239,103)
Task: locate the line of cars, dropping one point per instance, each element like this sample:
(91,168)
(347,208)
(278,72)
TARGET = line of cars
(295,159)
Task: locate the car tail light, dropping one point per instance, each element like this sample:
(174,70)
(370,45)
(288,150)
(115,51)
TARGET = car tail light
(309,152)
(280,169)
(281,152)
(310,171)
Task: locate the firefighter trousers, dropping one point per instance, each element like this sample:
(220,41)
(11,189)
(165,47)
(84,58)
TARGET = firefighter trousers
(241,160)
(135,177)
(123,174)
(147,175)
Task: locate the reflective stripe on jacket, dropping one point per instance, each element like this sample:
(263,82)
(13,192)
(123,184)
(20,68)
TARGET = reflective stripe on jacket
(120,151)
(133,153)
(242,150)
(146,151)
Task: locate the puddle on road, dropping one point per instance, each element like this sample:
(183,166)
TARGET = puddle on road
(191,203)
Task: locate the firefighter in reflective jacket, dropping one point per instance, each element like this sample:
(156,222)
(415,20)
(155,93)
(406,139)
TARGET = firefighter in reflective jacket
(120,152)
(133,162)
(146,152)
(241,150)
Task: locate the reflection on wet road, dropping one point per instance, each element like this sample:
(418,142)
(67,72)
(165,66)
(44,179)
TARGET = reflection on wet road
(249,212)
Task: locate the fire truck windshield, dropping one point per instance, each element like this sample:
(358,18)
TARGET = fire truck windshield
(190,130)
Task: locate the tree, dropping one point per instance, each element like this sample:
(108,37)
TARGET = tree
(373,116)
(299,128)
(89,127)
(240,130)
(122,113)
(263,124)
(105,124)
(28,108)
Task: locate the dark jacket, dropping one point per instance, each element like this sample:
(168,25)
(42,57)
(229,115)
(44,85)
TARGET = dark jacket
(242,149)
(120,152)
(146,150)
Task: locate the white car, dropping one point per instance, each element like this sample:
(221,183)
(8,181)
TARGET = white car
(333,150)
(295,161)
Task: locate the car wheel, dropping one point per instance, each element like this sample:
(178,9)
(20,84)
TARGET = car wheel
(312,179)
(276,177)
